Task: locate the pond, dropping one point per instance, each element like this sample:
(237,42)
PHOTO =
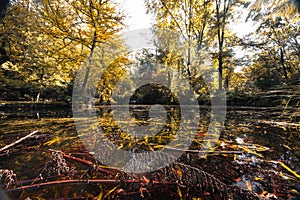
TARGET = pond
(256,156)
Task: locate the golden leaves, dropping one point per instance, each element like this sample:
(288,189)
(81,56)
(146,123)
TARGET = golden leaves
(50,40)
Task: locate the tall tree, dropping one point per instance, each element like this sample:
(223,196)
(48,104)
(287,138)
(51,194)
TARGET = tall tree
(188,18)
(222,11)
(203,26)
(88,23)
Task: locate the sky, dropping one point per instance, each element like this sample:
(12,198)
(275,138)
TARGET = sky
(136,11)
(138,19)
(137,36)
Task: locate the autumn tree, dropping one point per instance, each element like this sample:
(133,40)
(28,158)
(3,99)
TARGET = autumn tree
(188,19)
(276,44)
(222,14)
(204,27)
(267,9)
(3,8)
(87,23)
(48,40)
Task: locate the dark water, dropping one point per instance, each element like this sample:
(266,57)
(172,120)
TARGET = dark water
(270,132)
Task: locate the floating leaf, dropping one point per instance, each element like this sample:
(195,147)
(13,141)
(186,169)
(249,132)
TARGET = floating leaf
(179,192)
(54,140)
(109,192)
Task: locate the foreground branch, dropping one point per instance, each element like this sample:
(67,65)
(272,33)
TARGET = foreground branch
(79,181)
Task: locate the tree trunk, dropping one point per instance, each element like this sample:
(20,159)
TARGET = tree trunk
(282,61)
(220,60)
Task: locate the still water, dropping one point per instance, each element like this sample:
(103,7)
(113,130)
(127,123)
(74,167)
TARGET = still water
(252,140)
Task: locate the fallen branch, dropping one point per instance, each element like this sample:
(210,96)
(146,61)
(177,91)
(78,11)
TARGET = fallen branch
(79,181)
(18,141)
(85,162)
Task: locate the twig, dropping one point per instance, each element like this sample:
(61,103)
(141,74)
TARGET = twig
(64,182)
(18,141)
(79,181)
(85,162)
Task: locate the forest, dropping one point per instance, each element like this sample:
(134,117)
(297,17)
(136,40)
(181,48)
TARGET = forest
(44,43)
(223,74)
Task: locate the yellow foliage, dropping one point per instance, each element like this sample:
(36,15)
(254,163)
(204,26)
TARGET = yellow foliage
(48,41)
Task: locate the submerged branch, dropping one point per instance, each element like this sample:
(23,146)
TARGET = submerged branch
(85,162)
(18,141)
(79,181)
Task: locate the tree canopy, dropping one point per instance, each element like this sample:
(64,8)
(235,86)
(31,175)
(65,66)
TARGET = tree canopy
(46,41)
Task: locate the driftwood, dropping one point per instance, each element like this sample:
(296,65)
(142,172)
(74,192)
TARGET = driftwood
(18,141)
